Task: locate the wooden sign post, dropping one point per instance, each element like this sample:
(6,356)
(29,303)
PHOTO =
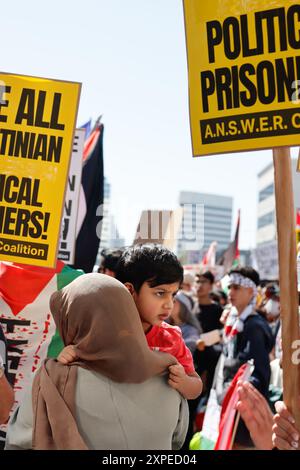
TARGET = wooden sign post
(287,277)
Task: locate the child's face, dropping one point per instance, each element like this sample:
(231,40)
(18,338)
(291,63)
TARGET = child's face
(155,303)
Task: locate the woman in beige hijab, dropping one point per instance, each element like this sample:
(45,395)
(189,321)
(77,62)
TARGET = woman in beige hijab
(115,396)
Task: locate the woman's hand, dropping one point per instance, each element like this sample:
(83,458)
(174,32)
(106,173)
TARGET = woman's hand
(285,435)
(256,414)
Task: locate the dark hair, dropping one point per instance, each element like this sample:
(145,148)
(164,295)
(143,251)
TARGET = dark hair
(208,275)
(110,259)
(223,295)
(272,288)
(248,272)
(150,263)
(215,296)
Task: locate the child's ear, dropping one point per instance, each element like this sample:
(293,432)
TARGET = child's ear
(129,287)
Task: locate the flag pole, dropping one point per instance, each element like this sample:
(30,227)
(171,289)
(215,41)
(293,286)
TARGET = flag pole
(287,277)
(236,422)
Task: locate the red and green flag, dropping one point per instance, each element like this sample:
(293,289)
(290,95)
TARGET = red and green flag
(26,319)
(231,256)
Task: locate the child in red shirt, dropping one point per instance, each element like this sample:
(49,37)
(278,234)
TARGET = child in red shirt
(153,274)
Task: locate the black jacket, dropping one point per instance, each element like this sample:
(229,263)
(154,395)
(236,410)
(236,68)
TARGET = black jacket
(254,342)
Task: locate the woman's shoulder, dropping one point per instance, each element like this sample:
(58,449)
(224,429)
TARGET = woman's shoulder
(92,385)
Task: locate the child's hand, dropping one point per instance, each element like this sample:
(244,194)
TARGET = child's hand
(177,375)
(67,355)
(189,385)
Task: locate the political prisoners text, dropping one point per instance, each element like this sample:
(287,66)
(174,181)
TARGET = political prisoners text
(276,30)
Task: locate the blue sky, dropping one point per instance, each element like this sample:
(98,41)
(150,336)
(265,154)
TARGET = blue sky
(131,59)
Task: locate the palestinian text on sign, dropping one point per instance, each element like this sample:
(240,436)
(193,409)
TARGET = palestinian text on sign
(37,120)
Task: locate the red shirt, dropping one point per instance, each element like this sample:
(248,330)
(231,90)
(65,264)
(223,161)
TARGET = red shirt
(168,338)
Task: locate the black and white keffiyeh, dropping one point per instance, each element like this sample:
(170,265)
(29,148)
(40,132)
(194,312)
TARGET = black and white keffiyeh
(235,322)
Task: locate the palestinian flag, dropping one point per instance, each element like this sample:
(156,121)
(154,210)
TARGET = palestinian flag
(209,259)
(220,422)
(229,416)
(90,210)
(26,320)
(231,256)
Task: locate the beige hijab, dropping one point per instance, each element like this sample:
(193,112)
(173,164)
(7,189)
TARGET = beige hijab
(98,316)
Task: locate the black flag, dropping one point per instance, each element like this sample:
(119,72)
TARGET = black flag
(92,181)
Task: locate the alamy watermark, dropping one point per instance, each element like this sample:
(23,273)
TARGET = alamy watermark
(296,93)
(3,89)
(296,353)
(184,226)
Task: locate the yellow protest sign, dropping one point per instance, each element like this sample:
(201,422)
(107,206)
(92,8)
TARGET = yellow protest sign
(37,121)
(244,74)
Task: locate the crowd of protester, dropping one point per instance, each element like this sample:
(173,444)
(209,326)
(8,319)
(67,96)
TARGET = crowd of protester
(189,323)
(242,316)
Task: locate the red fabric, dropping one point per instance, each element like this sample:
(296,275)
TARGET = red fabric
(227,329)
(205,259)
(90,143)
(228,413)
(199,420)
(298,219)
(28,280)
(231,390)
(168,338)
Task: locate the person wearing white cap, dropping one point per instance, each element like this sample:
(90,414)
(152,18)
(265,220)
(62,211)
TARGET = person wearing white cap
(188,282)
(183,317)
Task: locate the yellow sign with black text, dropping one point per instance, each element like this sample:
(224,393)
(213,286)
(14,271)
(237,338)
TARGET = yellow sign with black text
(244,74)
(37,122)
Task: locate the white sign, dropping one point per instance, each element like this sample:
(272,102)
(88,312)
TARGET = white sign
(266,260)
(67,240)
(210,338)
